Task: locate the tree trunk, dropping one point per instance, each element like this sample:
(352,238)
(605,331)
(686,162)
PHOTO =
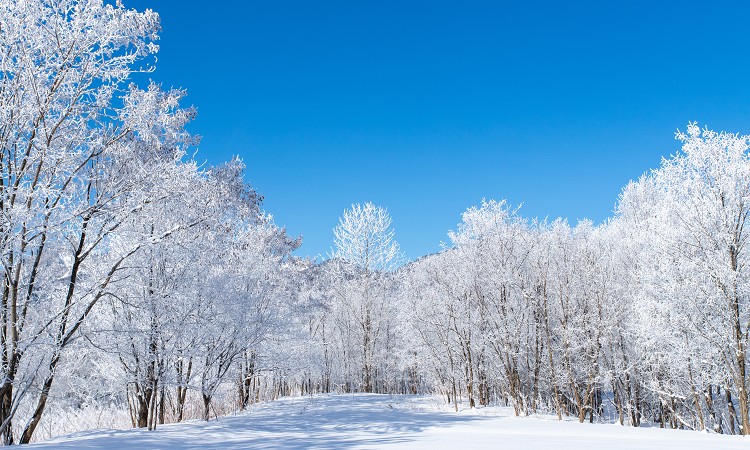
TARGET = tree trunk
(6,412)
(42,402)
(731,411)
(206,407)
(367,352)
(144,399)
(162,405)
(183,376)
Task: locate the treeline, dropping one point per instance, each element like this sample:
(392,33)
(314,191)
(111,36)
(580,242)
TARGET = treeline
(642,318)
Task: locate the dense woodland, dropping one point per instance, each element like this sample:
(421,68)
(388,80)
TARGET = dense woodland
(141,287)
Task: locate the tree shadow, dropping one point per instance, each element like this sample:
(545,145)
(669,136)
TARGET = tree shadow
(318,422)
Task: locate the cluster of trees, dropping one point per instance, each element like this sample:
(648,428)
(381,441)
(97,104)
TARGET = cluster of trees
(355,327)
(142,288)
(643,318)
(130,274)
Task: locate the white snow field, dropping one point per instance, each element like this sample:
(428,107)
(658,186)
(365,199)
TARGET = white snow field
(382,421)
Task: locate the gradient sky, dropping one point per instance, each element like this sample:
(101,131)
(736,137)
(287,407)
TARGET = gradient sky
(427,107)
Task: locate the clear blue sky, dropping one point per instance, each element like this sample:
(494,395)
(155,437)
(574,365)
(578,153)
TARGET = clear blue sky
(427,107)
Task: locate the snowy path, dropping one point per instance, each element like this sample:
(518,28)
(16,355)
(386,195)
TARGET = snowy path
(380,421)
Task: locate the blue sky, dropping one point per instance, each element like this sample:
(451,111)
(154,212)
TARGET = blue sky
(428,107)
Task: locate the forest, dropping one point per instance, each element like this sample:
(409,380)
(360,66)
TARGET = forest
(141,287)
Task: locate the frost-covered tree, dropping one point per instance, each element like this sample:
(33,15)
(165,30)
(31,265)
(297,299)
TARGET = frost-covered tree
(365,251)
(83,153)
(695,287)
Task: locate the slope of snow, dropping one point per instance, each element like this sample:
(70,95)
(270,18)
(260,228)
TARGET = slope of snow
(381,421)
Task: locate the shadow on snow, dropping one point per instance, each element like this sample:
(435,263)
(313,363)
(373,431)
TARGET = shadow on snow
(330,422)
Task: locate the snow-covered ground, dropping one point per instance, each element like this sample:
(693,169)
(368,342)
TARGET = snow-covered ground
(381,421)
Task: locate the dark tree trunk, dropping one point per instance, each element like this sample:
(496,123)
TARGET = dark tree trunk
(206,407)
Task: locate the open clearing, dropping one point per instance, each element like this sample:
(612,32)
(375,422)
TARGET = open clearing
(382,421)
